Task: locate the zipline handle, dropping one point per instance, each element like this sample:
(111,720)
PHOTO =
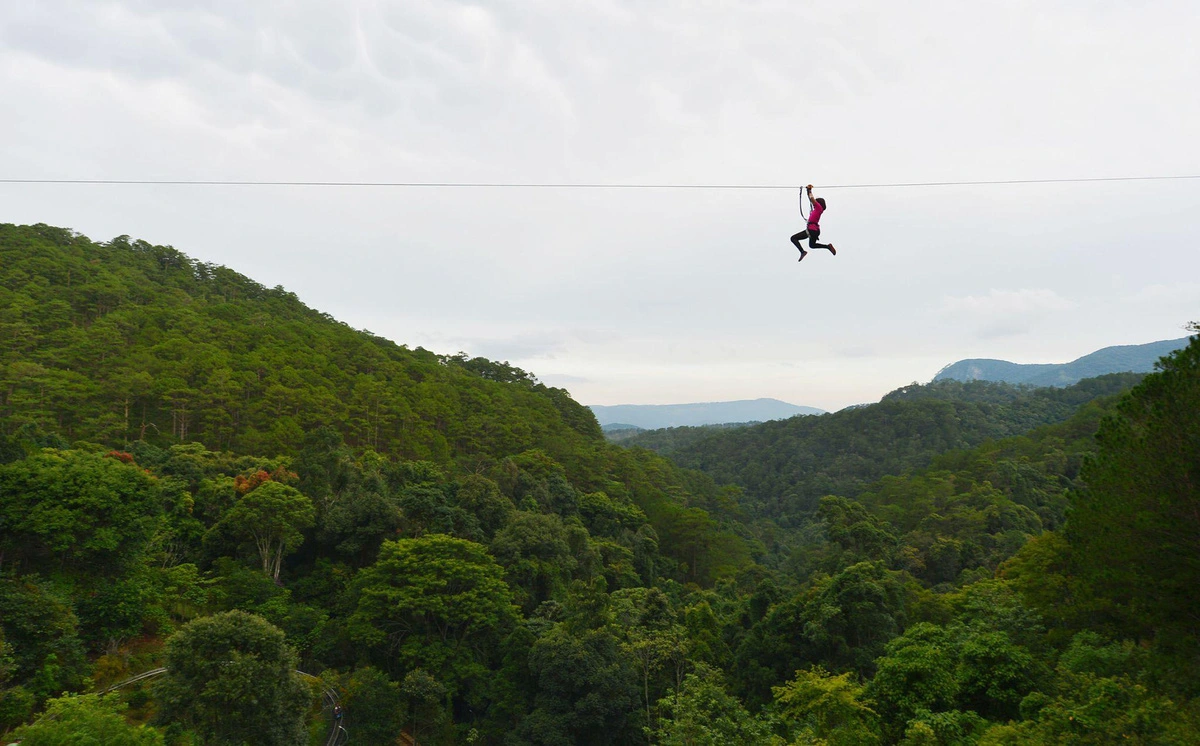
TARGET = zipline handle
(803,212)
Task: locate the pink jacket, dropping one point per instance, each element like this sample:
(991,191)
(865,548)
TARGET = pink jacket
(814,217)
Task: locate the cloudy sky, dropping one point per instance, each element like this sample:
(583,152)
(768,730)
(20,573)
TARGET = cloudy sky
(643,296)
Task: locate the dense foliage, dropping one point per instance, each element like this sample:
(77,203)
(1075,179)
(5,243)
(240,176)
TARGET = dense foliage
(123,341)
(470,562)
(231,679)
(786,466)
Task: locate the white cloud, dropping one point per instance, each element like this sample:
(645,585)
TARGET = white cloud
(1176,294)
(680,282)
(527,346)
(1008,302)
(563,380)
(1005,313)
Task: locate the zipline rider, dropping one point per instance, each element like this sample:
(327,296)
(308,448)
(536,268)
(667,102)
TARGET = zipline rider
(813,229)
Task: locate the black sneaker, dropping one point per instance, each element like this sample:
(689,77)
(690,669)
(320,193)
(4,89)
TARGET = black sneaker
(803,254)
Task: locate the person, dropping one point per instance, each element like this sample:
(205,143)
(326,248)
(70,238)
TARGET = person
(813,229)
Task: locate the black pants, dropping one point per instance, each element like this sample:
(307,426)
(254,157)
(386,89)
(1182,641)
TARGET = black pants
(812,234)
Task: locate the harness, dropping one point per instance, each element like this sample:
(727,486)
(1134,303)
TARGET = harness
(805,213)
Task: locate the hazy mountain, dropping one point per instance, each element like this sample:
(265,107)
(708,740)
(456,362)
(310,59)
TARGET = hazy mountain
(1117,359)
(654,416)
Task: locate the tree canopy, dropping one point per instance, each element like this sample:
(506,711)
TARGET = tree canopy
(202,474)
(231,678)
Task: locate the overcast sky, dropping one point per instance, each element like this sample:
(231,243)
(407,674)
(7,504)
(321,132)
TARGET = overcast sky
(638,296)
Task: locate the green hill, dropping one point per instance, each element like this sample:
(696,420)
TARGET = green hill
(123,340)
(120,342)
(786,466)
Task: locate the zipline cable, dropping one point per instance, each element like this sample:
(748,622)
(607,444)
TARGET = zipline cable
(550,185)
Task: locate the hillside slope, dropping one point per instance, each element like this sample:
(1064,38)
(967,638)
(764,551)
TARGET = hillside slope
(125,343)
(786,466)
(123,340)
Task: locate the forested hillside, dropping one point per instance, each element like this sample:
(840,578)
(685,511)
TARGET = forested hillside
(126,341)
(205,480)
(785,467)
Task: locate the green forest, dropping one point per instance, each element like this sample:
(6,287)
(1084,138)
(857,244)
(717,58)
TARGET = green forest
(298,532)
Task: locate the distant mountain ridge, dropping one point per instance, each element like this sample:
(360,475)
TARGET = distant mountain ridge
(1116,359)
(655,416)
